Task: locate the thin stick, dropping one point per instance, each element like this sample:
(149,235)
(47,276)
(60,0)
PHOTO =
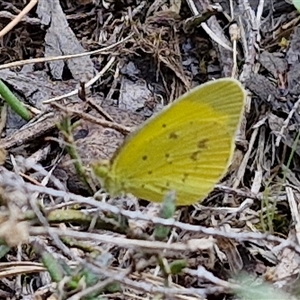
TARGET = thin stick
(89,83)
(62,57)
(286,122)
(18,18)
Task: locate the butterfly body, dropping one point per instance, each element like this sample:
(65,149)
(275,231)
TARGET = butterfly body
(186,148)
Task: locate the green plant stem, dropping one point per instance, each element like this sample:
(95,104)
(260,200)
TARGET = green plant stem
(16,105)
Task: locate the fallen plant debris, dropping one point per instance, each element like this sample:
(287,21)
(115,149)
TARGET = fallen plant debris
(90,72)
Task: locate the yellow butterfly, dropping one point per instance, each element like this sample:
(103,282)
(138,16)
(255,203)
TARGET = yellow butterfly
(185,148)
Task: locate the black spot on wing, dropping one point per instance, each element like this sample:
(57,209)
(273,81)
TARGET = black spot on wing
(195,155)
(202,144)
(173,136)
(168,158)
(184,177)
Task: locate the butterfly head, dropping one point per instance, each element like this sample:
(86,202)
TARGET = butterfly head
(102,170)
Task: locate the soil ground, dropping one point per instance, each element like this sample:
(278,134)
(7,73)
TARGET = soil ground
(88,73)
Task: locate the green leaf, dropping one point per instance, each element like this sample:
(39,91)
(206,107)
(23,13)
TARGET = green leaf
(296,4)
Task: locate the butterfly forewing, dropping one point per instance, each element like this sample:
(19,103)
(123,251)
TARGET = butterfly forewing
(185,148)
